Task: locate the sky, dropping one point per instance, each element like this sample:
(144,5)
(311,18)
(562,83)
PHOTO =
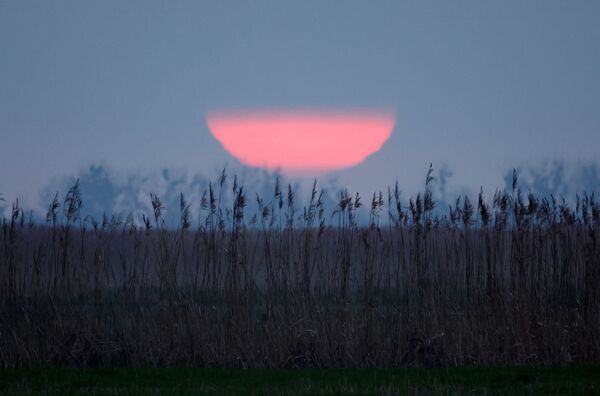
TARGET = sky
(477,87)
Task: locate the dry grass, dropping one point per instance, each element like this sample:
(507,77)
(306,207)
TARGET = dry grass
(514,281)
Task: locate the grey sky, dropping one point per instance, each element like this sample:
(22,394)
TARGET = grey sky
(479,86)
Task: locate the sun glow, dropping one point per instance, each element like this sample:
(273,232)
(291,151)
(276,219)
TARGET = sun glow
(301,141)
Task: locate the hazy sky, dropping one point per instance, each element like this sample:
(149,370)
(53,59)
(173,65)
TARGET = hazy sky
(478,86)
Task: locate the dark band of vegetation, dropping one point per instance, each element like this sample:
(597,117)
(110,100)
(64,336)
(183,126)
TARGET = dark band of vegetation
(296,382)
(514,281)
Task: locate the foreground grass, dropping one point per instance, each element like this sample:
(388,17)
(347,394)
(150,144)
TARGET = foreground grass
(175,381)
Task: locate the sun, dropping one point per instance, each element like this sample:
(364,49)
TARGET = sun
(301,141)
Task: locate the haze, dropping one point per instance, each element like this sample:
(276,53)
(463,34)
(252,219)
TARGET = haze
(477,87)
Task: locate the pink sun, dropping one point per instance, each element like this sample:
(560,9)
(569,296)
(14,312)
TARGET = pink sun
(301,141)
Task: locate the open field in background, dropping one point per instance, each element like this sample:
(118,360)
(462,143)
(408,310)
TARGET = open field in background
(510,281)
(182,382)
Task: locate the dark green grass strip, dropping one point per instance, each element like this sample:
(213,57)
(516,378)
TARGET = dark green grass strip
(185,381)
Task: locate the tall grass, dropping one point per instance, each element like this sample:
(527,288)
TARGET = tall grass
(513,280)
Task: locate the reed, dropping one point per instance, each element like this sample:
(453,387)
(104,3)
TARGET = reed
(512,281)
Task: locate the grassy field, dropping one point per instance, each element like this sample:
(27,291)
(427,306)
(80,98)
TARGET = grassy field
(179,381)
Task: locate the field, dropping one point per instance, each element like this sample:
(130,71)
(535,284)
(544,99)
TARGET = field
(509,282)
(178,381)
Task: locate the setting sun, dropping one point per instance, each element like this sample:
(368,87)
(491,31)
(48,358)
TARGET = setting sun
(301,141)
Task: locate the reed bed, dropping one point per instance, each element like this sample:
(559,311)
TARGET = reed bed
(510,281)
